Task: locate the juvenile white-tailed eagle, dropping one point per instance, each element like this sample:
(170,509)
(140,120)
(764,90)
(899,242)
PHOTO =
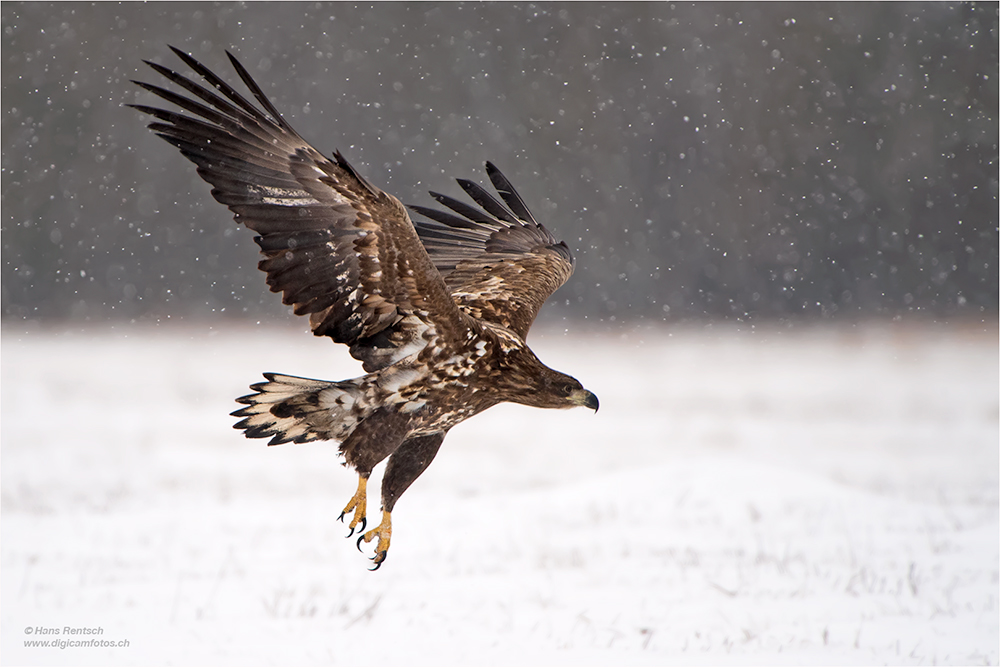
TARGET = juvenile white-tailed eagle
(436,311)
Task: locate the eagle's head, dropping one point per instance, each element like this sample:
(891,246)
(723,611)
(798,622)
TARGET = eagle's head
(526,380)
(552,389)
(573,393)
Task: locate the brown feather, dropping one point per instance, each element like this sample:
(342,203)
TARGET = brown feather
(499,263)
(339,250)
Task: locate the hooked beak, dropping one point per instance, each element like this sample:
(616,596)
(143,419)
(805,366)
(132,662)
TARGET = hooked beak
(584,398)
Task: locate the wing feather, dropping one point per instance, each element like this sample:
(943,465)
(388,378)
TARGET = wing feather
(499,263)
(337,248)
(508,193)
(476,218)
(488,202)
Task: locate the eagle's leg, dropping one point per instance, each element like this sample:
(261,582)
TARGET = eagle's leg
(374,438)
(405,465)
(358,504)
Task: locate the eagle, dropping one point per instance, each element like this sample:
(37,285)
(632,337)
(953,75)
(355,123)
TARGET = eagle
(437,311)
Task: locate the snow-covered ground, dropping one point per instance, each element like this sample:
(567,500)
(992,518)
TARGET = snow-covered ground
(812,495)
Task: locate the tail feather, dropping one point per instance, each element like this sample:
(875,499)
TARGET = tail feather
(294,409)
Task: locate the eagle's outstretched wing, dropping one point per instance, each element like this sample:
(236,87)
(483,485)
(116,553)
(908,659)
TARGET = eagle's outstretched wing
(339,249)
(499,263)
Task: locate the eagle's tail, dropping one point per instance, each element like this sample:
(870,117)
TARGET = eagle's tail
(294,409)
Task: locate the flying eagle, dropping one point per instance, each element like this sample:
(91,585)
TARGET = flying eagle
(437,312)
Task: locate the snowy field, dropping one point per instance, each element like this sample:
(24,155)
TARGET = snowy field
(803,496)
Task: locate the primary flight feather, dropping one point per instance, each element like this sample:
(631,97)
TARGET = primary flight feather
(436,311)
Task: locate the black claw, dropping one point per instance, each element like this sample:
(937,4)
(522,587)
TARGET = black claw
(359,541)
(364,524)
(341,520)
(379,558)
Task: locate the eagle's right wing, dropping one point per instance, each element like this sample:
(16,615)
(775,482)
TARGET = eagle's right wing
(339,250)
(499,263)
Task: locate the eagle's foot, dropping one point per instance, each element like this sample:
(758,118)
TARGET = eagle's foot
(358,504)
(384,533)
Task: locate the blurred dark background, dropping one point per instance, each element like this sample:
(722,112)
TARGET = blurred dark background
(736,161)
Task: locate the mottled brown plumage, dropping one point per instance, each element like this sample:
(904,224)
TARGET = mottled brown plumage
(436,312)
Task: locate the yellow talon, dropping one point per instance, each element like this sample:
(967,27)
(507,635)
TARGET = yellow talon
(358,504)
(384,533)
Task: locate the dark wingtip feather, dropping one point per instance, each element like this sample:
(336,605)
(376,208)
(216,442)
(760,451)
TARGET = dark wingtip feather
(443,217)
(487,201)
(257,92)
(186,57)
(463,209)
(507,192)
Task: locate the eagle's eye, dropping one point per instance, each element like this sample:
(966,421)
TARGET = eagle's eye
(567,388)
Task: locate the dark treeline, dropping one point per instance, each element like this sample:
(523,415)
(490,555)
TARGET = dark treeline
(708,160)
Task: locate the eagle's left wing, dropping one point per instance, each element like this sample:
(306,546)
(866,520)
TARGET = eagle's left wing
(499,262)
(340,250)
